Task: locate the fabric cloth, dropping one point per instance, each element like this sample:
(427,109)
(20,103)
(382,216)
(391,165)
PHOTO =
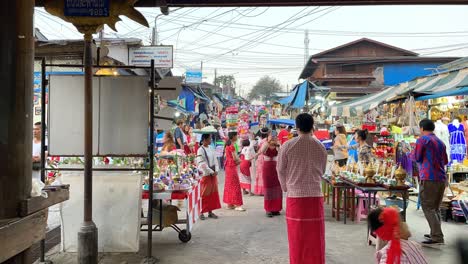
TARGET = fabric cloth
(247,154)
(411,253)
(273,195)
(209,194)
(339,152)
(178,134)
(259,167)
(232,189)
(457,142)
(431,194)
(431,157)
(442,132)
(306,230)
(301,164)
(283,136)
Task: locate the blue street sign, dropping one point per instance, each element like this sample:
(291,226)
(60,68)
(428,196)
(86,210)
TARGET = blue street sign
(86,8)
(193,76)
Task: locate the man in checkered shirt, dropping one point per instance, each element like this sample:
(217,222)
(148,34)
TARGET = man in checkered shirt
(301,164)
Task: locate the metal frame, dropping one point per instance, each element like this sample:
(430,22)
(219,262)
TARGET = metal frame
(150,155)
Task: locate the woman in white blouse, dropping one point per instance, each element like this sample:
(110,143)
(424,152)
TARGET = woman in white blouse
(208,166)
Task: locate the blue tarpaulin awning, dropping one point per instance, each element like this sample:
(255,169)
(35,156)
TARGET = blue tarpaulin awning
(455,92)
(288,122)
(299,100)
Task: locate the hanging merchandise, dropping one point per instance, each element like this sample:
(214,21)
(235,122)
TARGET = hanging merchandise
(457,141)
(442,132)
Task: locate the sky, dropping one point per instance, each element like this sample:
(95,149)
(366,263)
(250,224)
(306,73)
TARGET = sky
(253,42)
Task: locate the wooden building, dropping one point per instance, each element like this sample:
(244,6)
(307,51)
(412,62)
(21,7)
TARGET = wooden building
(366,66)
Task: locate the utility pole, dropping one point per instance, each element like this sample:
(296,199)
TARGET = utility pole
(216,75)
(306,46)
(155,37)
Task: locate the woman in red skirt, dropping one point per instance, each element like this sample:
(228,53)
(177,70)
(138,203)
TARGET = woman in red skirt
(247,154)
(208,167)
(273,195)
(232,190)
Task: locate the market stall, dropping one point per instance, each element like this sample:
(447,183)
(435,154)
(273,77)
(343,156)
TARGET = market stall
(176,179)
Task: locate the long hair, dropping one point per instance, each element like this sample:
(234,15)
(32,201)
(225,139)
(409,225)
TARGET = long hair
(170,143)
(229,142)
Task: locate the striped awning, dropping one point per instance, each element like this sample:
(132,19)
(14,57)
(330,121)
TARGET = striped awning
(441,83)
(363,104)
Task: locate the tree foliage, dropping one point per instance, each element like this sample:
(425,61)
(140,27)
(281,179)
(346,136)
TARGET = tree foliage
(265,88)
(225,81)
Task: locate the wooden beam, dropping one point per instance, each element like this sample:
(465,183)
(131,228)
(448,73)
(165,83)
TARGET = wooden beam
(236,3)
(34,204)
(18,234)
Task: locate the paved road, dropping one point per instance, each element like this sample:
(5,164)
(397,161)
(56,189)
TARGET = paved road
(251,238)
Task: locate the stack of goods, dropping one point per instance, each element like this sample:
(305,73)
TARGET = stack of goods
(243,128)
(232,118)
(384,144)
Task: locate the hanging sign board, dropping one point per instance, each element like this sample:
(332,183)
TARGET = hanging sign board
(89,8)
(193,76)
(142,56)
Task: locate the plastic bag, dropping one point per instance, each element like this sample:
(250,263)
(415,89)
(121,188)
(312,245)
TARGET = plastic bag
(36,189)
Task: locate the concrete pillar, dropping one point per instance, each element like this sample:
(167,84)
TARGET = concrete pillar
(16,105)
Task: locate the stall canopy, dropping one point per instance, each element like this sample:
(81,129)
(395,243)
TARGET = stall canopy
(363,104)
(288,122)
(302,93)
(447,83)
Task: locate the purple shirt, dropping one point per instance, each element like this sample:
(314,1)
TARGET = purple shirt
(431,157)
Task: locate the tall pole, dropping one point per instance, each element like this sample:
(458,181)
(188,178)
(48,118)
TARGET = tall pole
(88,235)
(306,46)
(16,110)
(151,169)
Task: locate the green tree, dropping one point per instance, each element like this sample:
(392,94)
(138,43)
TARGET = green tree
(225,81)
(265,88)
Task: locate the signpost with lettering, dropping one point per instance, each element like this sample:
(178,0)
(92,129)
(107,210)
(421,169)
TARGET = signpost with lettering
(142,56)
(89,8)
(193,76)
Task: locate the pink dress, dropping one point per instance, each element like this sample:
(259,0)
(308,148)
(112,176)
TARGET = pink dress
(259,176)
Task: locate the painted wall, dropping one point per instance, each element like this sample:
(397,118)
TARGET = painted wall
(396,73)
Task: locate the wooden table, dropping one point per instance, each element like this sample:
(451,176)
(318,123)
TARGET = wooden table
(338,190)
(373,190)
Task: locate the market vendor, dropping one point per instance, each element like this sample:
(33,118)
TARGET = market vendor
(364,150)
(340,153)
(208,166)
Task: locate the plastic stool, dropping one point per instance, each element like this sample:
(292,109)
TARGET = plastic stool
(361,210)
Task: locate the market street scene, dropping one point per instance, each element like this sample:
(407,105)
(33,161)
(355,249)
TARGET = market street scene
(210,132)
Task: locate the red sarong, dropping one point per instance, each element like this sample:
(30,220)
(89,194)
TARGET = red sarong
(306,230)
(245,179)
(273,199)
(209,194)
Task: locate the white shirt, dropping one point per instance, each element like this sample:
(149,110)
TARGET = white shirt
(248,152)
(36,151)
(203,164)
